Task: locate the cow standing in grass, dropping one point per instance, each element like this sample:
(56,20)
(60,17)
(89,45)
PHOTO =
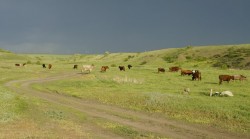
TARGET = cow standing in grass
(75,67)
(129,66)
(239,77)
(122,68)
(50,66)
(196,75)
(104,68)
(88,68)
(225,78)
(186,72)
(44,66)
(161,70)
(174,69)
(19,65)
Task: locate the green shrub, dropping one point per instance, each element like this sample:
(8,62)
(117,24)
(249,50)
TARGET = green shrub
(188,57)
(38,63)
(143,63)
(126,59)
(169,59)
(29,62)
(224,66)
(247,65)
(113,65)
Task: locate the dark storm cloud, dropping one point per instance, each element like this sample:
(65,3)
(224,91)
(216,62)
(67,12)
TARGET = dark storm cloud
(96,26)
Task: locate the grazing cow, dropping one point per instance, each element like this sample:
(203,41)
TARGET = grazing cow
(44,66)
(17,65)
(88,68)
(186,72)
(174,69)
(129,66)
(239,77)
(75,67)
(161,70)
(122,68)
(225,78)
(196,75)
(104,68)
(50,66)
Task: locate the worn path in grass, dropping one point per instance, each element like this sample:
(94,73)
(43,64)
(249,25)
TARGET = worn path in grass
(142,122)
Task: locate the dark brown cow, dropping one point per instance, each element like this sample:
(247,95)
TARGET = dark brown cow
(122,68)
(161,70)
(104,68)
(129,66)
(44,66)
(196,75)
(174,69)
(75,67)
(50,66)
(186,72)
(225,78)
(17,65)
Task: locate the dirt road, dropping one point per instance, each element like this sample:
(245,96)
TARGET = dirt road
(140,121)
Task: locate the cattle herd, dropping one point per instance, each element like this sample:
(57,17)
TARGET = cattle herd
(196,74)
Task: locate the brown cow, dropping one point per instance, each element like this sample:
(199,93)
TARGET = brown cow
(186,72)
(17,65)
(225,78)
(196,75)
(239,77)
(75,67)
(122,68)
(161,70)
(50,66)
(129,66)
(174,69)
(104,68)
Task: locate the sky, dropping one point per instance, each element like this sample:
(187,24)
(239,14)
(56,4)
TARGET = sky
(99,26)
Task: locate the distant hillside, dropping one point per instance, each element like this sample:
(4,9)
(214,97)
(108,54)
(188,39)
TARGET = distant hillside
(4,51)
(220,56)
(7,55)
(224,56)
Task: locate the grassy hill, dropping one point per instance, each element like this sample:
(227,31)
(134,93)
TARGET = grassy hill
(222,56)
(139,89)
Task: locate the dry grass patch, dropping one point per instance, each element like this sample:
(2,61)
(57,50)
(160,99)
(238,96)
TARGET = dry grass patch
(127,79)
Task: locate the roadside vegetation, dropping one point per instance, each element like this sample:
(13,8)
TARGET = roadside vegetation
(140,89)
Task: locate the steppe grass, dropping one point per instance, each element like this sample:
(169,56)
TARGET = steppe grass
(27,117)
(146,90)
(141,89)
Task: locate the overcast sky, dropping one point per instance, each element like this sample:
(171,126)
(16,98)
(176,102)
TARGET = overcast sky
(96,26)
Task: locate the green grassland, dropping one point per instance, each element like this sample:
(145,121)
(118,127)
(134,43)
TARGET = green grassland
(140,88)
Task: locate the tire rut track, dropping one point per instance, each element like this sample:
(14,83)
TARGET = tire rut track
(142,121)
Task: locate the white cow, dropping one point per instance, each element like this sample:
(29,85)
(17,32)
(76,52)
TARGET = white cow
(88,68)
(239,77)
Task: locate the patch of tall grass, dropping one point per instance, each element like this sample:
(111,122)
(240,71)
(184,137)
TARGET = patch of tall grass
(11,106)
